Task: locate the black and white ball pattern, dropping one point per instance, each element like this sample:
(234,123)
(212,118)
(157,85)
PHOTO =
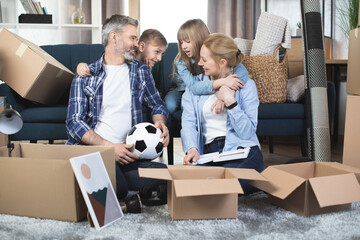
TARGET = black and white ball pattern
(146,139)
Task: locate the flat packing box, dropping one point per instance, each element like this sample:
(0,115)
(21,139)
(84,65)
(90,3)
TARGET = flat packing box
(30,71)
(353,68)
(312,187)
(351,152)
(202,192)
(38,180)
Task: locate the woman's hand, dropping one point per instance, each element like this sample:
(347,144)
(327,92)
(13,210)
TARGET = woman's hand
(82,69)
(226,95)
(191,156)
(218,106)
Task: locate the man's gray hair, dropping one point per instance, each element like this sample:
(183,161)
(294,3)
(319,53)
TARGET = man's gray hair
(116,23)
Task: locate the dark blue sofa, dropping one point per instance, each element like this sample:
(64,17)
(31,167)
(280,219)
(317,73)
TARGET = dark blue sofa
(48,122)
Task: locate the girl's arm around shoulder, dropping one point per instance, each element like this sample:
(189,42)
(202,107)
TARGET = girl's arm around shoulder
(199,85)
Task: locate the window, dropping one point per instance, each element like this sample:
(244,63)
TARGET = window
(168,15)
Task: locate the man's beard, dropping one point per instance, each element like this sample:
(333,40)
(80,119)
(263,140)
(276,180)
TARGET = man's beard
(127,54)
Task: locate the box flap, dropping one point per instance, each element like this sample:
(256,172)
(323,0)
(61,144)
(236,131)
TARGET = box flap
(344,167)
(155,173)
(250,174)
(335,190)
(201,187)
(279,183)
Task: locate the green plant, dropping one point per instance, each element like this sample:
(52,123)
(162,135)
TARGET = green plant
(349,16)
(298,24)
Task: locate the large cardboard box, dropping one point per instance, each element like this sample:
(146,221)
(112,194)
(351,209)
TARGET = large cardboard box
(312,187)
(351,152)
(202,192)
(30,71)
(353,69)
(38,180)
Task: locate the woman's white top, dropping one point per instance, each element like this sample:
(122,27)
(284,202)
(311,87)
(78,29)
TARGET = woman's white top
(213,125)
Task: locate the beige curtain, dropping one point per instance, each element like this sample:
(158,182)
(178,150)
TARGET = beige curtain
(125,7)
(236,18)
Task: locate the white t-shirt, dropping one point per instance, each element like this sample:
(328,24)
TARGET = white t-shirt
(214,125)
(115,115)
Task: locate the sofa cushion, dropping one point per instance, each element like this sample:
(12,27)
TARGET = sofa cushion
(44,115)
(295,88)
(282,111)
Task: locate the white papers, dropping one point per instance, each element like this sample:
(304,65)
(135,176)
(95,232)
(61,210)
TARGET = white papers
(224,156)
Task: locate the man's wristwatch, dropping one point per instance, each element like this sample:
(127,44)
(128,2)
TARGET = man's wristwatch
(232,105)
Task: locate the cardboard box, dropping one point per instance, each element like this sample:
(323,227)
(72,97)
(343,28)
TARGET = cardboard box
(353,68)
(30,71)
(202,192)
(38,180)
(312,187)
(351,152)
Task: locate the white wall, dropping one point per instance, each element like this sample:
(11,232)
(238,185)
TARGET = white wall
(167,16)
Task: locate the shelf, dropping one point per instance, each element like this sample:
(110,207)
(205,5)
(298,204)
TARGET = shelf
(38,25)
(84,26)
(61,30)
(8,25)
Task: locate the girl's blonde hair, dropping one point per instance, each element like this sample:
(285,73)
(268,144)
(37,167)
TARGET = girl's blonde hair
(195,31)
(222,46)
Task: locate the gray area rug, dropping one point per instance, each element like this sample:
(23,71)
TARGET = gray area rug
(257,219)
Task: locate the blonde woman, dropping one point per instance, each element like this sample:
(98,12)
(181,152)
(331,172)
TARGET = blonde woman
(191,36)
(204,131)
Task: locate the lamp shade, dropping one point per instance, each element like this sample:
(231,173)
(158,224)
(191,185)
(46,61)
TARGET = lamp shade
(10,121)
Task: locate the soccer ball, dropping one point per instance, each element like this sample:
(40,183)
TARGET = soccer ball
(146,139)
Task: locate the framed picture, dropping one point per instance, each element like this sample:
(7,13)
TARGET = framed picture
(97,190)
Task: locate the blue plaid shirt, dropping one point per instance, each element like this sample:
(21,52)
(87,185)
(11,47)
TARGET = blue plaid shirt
(86,95)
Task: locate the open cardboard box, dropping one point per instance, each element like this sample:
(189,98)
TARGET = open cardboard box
(38,180)
(312,187)
(32,72)
(202,192)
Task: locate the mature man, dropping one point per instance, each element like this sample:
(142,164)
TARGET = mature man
(103,107)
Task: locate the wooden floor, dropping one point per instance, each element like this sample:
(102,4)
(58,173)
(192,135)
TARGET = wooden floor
(285,149)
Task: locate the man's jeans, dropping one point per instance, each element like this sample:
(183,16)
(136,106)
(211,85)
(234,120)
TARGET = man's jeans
(127,177)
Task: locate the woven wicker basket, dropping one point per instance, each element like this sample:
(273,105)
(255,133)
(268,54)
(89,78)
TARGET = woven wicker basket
(269,75)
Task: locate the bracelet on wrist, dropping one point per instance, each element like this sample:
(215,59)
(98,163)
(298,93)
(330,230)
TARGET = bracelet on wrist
(232,105)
